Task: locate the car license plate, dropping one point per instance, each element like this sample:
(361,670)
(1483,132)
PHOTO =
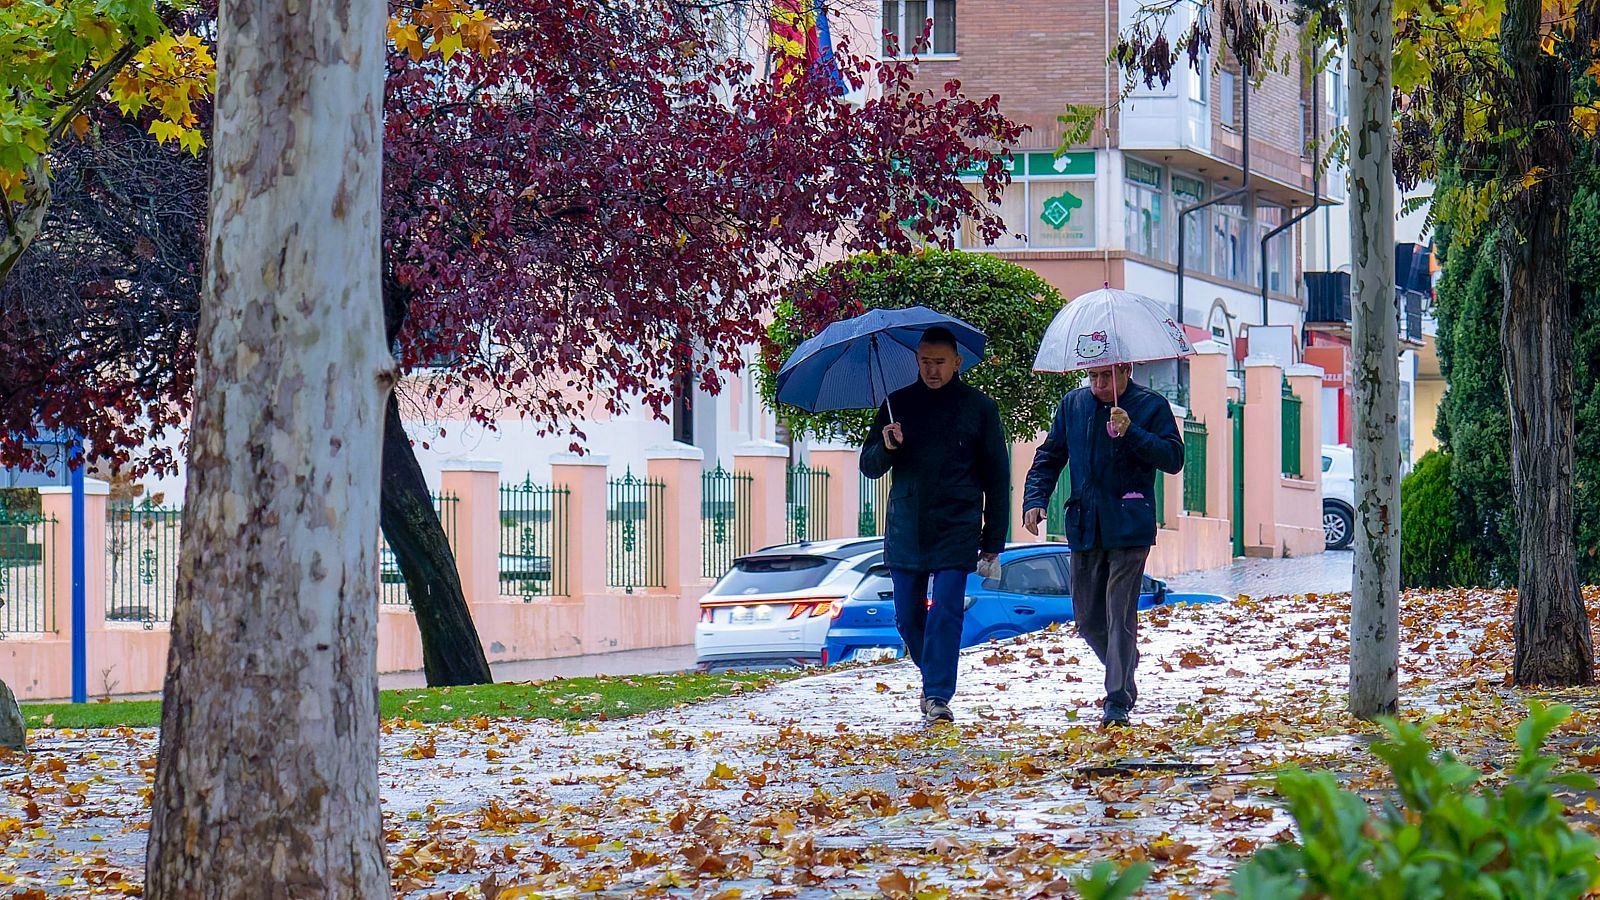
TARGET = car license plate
(741,615)
(876,654)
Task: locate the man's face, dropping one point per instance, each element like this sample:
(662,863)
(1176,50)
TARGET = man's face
(937,364)
(1109,383)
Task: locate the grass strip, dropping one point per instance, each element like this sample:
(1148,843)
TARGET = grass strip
(597,698)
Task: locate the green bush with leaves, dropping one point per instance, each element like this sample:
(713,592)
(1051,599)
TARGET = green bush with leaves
(1010,304)
(1448,837)
(1434,549)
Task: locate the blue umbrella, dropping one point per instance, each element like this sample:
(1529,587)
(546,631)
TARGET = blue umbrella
(857,363)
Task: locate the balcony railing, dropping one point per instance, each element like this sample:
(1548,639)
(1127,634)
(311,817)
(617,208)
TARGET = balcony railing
(1328,303)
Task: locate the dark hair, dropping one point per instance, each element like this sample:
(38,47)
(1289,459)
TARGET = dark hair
(940,336)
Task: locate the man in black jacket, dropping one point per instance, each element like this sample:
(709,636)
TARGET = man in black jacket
(1116,435)
(947,506)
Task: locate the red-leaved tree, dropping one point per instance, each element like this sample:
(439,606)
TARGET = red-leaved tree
(605,207)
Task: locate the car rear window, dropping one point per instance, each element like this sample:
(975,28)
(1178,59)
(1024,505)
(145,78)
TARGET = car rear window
(874,586)
(773,575)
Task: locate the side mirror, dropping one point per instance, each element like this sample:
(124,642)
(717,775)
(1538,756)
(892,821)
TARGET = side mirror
(1161,591)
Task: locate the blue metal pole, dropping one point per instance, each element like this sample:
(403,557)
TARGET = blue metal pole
(80,611)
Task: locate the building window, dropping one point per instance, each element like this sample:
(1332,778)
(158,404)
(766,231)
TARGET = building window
(1049,204)
(919,27)
(1144,214)
(1061,213)
(1280,259)
(1186,192)
(1230,252)
(1228,90)
(1200,79)
(1012,209)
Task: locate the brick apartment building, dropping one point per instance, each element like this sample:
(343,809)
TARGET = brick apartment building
(1108,210)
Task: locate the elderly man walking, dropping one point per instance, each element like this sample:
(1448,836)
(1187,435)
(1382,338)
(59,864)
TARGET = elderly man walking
(1116,435)
(947,506)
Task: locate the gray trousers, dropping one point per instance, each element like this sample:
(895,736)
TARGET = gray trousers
(1105,604)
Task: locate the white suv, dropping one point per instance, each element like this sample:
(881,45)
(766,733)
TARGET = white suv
(1338,497)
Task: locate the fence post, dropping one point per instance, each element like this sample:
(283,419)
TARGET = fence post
(476,485)
(1306,381)
(584,477)
(768,465)
(678,466)
(1021,461)
(843,465)
(1263,454)
(1208,400)
(56,502)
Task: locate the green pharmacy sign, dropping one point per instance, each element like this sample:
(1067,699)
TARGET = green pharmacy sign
(1057,210)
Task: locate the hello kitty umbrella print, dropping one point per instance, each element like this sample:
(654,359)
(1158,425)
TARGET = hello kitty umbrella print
(1110,327)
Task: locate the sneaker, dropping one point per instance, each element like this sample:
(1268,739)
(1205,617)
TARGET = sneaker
(936,710)
(1115,717)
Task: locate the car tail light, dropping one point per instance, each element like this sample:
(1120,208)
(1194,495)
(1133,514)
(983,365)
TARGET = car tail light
(800,608)
(824,609)
(705,613)
(836,608)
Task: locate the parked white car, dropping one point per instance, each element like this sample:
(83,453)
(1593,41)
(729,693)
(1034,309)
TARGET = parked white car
(1338,497)
(774,606)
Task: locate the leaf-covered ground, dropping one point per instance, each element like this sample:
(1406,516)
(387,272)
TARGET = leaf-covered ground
(829,786)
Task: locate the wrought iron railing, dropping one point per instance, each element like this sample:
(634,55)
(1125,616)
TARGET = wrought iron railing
(1291,431)
(28,553)
(1194,466)
(635,533)
(143,543)
(874,517)
(807,502)
(724,519)
(391,584)
(533,540)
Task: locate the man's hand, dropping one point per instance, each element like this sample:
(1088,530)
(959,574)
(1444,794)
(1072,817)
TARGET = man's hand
(1031,519)
(988,565)
(893,437)
(1119,422)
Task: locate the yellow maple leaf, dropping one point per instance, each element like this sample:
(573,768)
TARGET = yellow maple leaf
(406,39)
(1532,176)
(1587,119)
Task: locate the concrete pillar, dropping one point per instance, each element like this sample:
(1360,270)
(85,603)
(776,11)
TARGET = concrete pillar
(1208,401)
(475,483)
(1263,454)
(1021,461)
(1306,381)
(679,466)
(767,464)
(56,503)
(584,478)
(843,464)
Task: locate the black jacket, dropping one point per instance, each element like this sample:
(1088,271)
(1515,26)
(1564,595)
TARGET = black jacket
(1112,505)
(951,493)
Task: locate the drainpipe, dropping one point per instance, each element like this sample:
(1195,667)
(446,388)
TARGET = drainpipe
(1316,193)
(1183,214)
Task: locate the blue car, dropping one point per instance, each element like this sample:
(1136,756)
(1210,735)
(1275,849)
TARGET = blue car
(1032,593)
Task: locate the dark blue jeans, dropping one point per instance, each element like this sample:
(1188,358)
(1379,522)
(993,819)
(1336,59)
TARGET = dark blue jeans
(933,636)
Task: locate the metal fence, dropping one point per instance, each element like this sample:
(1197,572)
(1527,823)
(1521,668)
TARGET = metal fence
(391,584)
(874,515)
(635,533)
(724,519)
(28,548)
(806,499)
(1055,514)
(143,543)
(533,540)
(1194,466)
(1291,431)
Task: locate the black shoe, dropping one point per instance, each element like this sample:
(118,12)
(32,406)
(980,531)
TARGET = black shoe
(936,710)
(1115,717)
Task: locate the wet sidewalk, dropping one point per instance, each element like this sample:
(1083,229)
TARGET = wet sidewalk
(829,786)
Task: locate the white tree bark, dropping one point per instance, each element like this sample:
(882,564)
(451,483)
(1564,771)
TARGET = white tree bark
(1375,605)
(267,782)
